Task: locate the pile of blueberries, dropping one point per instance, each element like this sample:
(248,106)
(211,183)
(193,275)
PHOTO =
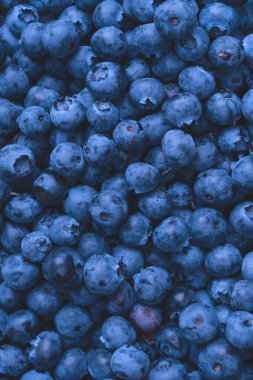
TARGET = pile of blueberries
(126,189)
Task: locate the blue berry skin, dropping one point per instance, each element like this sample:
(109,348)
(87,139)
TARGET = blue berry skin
(71,321)
(142,10)
(147,93)
(190,259)
(108,13)
(65,230)
(154,127)
(234,141)
(18,273)
(247,45)
(167,368)
(132,259)
(82,297)
(99,150)
(50,189)
(171,235)
(116,331)
(14,82)
(178,148)
(206,155)
(174,19)
(109,43)
(22,209)
(94,175)
(5,190)
(31,40)
(220,290)
(214,187)
(34,121)
(193,46)
(180,195)
(223,261)
(142,177)
(103,116)
(35,375)
(80,19)
(86,4)
(81,62)
(99,364)
(63,268)
(241,219)
(106,80)
(67,114)
(198,323)
(32,68)
(235,78)
(152,284)
(121,301)
(102,274)
(67,159)
(171,343)
(108,210)
(219,360)
(77,201)
(146,319)
(155,205)
(35,246)
(156,158)
(13,360)
(52,83)
(247,266)
(60,38)
(182,110)
(242,174)
(197,81)
(11,236)
(91,243)
(128,135)
(44,300)
(129,362)
(208,227)
(136,68)
(219,19)
(19,17)
(45,350)
(247,105)
(9,112)
(72,366)
(223,312)
(58,136)
(146,39)
(179,299)
(117,183)
(241,297)
(136,230)
(239,329)
(167,65)
(41,97)
(3,323)
(226,52)
(21,327)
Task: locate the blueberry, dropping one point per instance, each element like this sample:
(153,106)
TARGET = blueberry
(99,363)
(206,155)
(10,299)
(128,135)
(52,83)
(14,82)
(130,362)
(60,38)
(247,105)
(11,236)
(106,80)
(242,174)
(142,177)
(91,243)
(44,299)
(45,350)
(79,17)
(41,97)
(220,289)
(22,209)
(219,360)
(67,114)
(234,141)
(208,227)
(152,284)
(32,68)
(167,368)
(136,68)
(147,93)
(223,261)
(155,205)
(145,318)
(116,332)
(198,323)
(248,48)
(219,19)
(121,301)
(67,159)
(194,45)
(31,40)
(34,121)
(76,203)
(13,360)
(108,13)
(5,190)
(179,195)
(103,116)
(72,321)
(171,235)
(99,150)
(182,110)
(35,246)
(131,258)
(241,219)
(239,329)
(9,113)
(35,375)
(167,65)
(72,366)
(50,189)
(3,323)
(174,19)
(247,269)
(116,183)
(190,259)
(19,17)
(154,127)
(109,43)
(58,136)
(197,81)
(8,39)
(241,297)
(136,230)
(179,299)
(226,52)
(235,78)
(21,326)
(102,274)
(171,343)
